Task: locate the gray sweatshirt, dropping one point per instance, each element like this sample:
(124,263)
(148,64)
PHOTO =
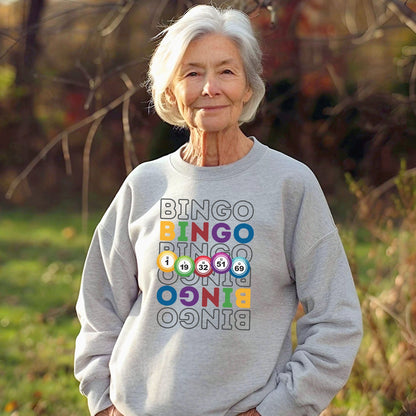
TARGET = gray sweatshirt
(191,284)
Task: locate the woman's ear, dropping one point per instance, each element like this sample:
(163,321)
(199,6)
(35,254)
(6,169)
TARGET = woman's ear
(248,94)
(170,96)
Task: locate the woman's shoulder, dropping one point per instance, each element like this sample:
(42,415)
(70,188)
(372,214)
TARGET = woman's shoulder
(150,169)
(287,168)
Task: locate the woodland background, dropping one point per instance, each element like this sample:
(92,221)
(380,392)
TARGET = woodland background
(75,119)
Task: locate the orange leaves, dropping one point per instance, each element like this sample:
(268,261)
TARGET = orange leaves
(11,406)
(37,405)
(316,83)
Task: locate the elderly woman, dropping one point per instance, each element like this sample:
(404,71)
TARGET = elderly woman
(195,272)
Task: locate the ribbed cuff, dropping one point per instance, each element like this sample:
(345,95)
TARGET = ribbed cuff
(99,396)
(280,402)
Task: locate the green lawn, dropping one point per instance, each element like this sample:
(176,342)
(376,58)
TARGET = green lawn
(41,258)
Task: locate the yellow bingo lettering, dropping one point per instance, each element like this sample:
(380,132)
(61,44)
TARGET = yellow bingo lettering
(243,297)
(167,230)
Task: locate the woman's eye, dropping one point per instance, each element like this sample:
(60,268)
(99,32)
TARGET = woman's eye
(192,74)
(227,71)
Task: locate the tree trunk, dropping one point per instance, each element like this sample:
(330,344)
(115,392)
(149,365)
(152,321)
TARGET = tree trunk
(28,131)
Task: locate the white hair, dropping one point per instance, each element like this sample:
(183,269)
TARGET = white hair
(196,22)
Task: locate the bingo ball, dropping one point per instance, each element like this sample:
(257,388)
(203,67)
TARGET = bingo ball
(221,263)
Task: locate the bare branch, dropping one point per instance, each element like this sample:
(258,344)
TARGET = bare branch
(67,81)
(86,169)
(412,84)
(130,158)
(406,330)
(408,321)
(370,13)
(272,10)
(405,15)
(67,155)
(374,28)
(349,101)
(127,141)
(121,14)
(77,126)
(350,16)
(158,13)
(84,71)
(67,14)
(338,81)
(92,84)
(383,188)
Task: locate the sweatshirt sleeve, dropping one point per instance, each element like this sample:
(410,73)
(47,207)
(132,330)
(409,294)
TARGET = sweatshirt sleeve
(108,291)
(330,332)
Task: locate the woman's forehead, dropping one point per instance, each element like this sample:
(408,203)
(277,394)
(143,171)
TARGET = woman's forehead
(212,48)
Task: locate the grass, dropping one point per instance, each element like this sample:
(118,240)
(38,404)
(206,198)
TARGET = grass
(41,259)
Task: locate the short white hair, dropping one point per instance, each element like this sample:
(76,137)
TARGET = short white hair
(196,22)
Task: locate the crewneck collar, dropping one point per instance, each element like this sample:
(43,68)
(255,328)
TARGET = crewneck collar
(222,171)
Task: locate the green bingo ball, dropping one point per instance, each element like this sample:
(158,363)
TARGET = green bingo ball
(184,266)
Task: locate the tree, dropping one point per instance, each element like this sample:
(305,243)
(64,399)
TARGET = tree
(315,109)
(24,129)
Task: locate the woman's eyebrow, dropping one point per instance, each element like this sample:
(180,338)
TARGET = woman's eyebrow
(201,65)
(192,65)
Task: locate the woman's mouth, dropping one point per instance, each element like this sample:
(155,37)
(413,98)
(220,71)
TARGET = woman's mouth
(212,107)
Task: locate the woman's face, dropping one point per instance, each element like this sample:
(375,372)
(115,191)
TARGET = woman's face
(210,87)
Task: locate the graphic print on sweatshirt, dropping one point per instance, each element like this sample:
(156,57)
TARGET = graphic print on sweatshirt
(204,261)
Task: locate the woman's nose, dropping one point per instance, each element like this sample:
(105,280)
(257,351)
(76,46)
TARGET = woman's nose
(211,87)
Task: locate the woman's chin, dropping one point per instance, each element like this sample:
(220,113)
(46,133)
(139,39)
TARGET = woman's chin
(212,126)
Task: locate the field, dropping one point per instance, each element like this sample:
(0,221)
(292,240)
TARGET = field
(41,258)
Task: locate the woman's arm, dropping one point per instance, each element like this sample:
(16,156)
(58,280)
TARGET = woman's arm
(328,335)
(108,291)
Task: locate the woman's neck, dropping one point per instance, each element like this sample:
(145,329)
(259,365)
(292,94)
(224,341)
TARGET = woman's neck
(215,149)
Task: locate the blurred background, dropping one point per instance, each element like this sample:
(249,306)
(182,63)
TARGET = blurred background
(75,120)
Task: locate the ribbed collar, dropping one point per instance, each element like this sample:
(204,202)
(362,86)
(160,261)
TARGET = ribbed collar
(218,172)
